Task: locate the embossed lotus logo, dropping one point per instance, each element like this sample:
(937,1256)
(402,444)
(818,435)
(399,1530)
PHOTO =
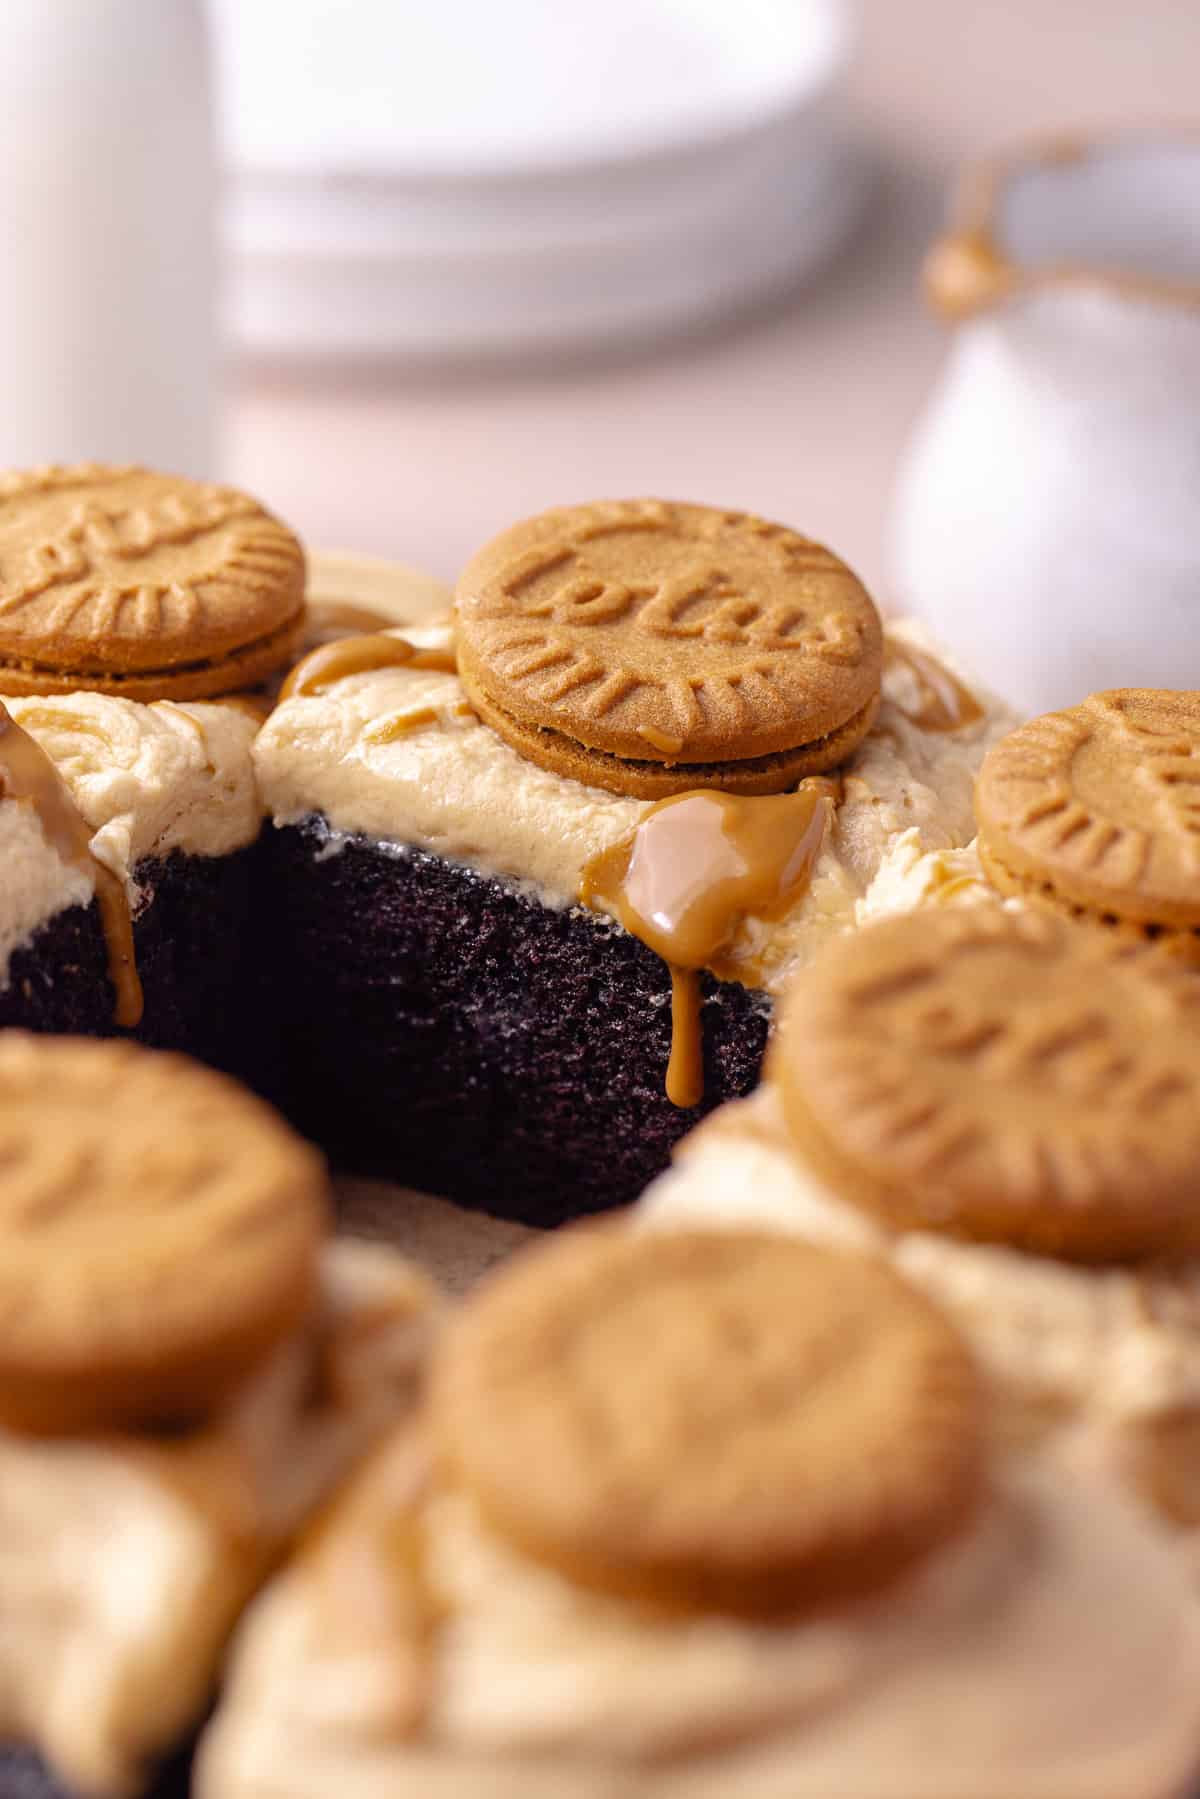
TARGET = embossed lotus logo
(696,634)
(95,535)
(1110,788)
(145,585)
(703,601)
(579,582)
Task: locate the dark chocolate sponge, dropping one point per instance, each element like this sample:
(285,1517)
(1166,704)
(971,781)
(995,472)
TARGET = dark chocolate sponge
(445,1030)
(194,956)
(24,1775)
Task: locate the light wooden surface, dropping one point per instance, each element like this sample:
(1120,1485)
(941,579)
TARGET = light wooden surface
(799,413)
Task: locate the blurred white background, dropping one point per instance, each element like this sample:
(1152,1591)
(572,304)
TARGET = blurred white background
(472,179)
(799,411)
(486,255)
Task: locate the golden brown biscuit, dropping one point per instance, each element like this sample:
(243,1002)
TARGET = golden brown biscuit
(711,1419)
(142,585)
(646,641)
(659,780)
(1003,1077)
(159,1234)
(1096,812)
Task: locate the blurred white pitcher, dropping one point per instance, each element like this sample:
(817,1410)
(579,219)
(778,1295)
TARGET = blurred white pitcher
(1047,521)
(106,221)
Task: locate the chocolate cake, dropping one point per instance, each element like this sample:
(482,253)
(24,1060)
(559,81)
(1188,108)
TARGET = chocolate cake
(443,1025)
(472,1001)
(513,933)
(192,947)
(160,943)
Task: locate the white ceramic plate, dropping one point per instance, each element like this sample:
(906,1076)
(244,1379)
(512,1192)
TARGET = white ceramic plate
(421,180)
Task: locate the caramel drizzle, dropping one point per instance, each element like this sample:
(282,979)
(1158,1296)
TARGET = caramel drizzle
(965,273)
(402,724)
(694,867)
(685,1065)
(969,270)
(28,776)
(390,730)
(333,662)
(943,702)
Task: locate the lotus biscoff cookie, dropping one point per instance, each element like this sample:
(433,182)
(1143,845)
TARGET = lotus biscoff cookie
(141,584)
(711,1514)
(161,1229)
(126,597)
(724,1421)
(649,647)
(1096,813)
(1000,1078)
(1006,1107)
(188,1366)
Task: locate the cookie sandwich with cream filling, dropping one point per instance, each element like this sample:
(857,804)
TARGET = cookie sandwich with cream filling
(129,601)
(1006,1108)
(127,581)
(1094,813)
(772,1552)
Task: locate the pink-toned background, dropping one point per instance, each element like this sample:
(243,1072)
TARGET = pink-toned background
(799,412)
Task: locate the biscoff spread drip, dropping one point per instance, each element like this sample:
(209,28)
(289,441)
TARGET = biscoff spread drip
(28,776)
(682,882)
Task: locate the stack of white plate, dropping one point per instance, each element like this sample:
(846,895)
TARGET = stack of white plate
(447,177)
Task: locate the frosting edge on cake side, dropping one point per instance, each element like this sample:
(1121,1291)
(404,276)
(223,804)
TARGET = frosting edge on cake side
(395,755)
(146,779)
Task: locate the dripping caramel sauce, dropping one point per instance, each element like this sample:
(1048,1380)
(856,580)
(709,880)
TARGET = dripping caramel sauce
(346,656)
(685,1066)
(28,776)
(684,879)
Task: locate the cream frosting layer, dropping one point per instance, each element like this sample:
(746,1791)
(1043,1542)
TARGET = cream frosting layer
(437,778)
(124,1564)
(147,779)
(910,876)
(981,1677)
(1112,1346)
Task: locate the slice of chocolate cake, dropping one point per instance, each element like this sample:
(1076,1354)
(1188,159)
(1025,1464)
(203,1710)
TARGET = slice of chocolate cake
(128,844)
(445,1027)
(495,957)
